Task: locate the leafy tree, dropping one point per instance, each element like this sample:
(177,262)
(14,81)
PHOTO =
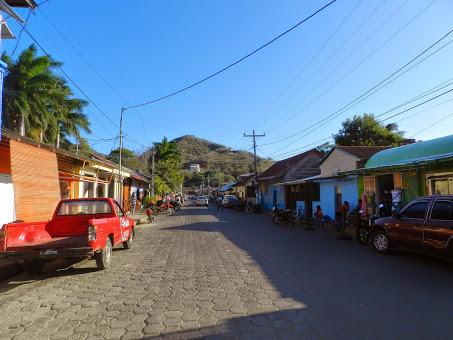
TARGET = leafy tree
(129,158)
(325,148)
(167,164)
(39,103)
(366,130)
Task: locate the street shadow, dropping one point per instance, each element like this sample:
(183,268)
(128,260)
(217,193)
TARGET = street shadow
(342,284)
(52,269)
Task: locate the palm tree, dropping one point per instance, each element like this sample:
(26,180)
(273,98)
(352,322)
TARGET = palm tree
(38,102)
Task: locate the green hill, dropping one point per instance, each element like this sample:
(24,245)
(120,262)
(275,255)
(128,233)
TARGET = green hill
(217,161)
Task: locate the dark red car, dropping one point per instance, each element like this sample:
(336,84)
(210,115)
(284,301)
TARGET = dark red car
(425,225)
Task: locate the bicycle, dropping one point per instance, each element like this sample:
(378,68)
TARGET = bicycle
(303,218)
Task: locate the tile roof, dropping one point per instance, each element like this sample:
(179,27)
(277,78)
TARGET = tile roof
(279,168)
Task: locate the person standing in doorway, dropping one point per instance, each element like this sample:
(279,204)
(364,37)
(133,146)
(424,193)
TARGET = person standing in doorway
(133,202)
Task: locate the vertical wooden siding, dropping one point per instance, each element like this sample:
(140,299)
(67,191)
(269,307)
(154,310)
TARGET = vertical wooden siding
(35,179)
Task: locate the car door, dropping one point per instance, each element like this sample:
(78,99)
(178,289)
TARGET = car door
(408,230)
(122,224)
(438,231)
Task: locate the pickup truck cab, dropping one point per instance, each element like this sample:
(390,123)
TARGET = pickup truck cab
(79,228)
(425,225)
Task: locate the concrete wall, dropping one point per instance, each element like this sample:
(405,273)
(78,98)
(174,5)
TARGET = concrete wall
(338,160)
(327,192)
(266,193)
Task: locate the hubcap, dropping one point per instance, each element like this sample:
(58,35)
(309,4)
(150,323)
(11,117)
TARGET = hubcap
(381,242)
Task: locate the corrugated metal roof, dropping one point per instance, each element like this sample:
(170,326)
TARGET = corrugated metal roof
(434,149)
(280,168)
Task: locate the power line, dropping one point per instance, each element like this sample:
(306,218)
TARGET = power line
(235,62)
(71,80)
(356,66)
(301,71)
(366,94)
(433,124)
(20,33)
(423,94)
(320,67)
(85,60)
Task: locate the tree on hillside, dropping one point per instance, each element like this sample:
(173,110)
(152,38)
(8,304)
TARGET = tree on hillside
(167,164)
(39,103)
(366,130)
(129,158)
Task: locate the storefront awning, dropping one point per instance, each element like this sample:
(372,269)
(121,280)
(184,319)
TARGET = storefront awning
(431,150)
(227,187)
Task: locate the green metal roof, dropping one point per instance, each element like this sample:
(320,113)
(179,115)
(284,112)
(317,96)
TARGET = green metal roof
(430,150)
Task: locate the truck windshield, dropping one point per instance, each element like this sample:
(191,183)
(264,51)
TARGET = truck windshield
(84,208)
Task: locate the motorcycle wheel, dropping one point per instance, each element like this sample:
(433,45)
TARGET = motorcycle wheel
(177,208)
(310,221)
(291,221)
(363,236)
(276,219)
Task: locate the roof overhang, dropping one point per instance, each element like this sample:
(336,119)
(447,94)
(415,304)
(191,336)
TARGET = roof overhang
(401,166)
(6,33)
(300,181)
(22,3)
(8,10)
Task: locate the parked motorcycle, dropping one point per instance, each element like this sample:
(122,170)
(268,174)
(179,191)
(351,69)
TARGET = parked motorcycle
(176,205)
(283,216)
(363,227)
(167,206)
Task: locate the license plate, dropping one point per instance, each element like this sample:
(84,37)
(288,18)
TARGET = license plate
(48,252)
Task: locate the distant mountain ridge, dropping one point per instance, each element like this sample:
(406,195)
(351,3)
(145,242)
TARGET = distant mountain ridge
(213,157)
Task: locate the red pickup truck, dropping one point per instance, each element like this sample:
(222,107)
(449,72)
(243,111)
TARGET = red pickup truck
(80,228)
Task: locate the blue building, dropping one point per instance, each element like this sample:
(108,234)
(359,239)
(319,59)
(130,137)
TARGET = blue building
(336,188)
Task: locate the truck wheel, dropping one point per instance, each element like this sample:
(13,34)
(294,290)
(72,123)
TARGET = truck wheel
(104,257)
(381,242)
(128,244)
(34,267)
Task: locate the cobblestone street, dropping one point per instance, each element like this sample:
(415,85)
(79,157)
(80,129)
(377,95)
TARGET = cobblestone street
(208,274)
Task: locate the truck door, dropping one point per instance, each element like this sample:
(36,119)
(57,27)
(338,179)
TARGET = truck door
(408,231)
(438,230)
(123,225)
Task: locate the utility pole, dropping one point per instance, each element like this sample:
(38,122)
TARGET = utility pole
(153,153)
(254,135)
(121,157)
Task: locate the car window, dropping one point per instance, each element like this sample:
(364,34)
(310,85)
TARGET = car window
(84,207)
(118,210)
(442,210)
(416,210)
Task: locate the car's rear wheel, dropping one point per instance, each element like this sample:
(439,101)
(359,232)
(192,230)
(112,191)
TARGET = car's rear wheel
(381,241)
(104,256)
(128,244)
(33,267)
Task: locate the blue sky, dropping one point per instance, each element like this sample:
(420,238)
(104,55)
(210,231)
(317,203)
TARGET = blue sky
(146,49)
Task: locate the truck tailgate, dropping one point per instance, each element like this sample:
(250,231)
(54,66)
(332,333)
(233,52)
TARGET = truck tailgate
(53,243)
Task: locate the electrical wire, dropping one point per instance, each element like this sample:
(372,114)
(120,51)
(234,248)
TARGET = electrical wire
(393,76)
(302,70)
(235,62)
(20,34)
(349,72)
